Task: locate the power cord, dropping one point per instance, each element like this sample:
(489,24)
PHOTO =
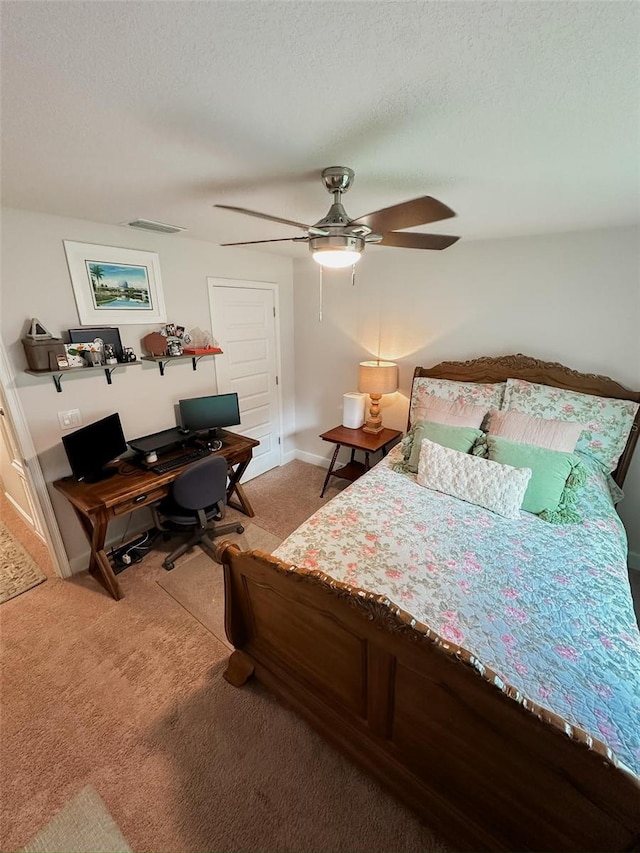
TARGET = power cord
(134,551)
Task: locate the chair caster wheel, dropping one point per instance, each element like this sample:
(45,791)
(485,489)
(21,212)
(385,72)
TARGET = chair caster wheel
(168,566)
(239,529)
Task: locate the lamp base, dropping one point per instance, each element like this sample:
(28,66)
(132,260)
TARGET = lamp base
(374,421)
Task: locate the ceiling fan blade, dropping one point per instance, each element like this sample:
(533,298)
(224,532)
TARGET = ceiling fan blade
(265,216)
(413,240)
(407,214)
(278,240)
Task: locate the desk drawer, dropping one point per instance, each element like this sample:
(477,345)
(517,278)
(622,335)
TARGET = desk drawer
(142,499)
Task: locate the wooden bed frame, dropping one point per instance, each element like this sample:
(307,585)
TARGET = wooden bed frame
(484,767)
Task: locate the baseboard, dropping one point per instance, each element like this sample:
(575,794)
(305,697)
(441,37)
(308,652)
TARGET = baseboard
(288,457)
(312,458)
(634,561)
(80,563)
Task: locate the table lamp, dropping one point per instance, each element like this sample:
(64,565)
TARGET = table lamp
(376,378)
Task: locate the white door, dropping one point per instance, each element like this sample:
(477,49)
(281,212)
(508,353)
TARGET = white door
(244,323)
(12,472)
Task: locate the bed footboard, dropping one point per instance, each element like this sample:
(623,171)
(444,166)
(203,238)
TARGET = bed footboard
(484,770)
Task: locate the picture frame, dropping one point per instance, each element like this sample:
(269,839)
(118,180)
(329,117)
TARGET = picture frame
(107,334)
(114,286)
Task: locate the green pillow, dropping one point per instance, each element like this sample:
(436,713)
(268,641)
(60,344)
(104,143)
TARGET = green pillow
(555,477)
(455,437)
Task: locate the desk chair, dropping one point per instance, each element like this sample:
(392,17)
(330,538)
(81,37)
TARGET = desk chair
(197,497)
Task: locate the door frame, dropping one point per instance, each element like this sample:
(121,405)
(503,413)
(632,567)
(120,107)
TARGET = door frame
(248,284)
(32,470)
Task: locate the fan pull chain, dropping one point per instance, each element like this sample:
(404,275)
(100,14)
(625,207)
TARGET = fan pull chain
(353,276)
(320,295)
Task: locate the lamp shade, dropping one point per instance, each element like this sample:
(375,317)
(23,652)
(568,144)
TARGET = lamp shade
(378,377)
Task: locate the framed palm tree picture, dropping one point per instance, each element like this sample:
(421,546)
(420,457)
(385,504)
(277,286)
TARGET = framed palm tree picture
(115,286)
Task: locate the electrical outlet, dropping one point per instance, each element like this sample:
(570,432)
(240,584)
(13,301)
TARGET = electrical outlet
(70,419)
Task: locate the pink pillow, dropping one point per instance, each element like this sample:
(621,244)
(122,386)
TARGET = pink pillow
(542,432)
(449,412)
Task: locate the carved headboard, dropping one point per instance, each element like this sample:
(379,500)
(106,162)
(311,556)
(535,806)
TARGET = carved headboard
(501,368)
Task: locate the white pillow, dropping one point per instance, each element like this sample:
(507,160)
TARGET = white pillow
(488,484)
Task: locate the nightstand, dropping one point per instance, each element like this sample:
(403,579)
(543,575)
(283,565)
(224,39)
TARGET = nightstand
(356,439)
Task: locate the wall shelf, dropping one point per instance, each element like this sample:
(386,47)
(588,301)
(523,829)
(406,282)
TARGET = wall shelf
(57,375)
(162,360)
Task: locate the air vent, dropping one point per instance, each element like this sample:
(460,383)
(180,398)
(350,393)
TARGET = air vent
(150,225)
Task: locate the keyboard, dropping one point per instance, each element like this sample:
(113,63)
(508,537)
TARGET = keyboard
(179,461)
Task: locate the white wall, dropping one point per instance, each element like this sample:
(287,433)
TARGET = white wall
(35,282)
(572,298)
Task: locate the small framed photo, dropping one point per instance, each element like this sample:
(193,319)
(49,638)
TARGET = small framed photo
(170,330)
(180,331)
(115,286)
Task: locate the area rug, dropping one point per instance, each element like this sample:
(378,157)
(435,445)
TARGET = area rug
(197,583)
(286,496)
(18,572)
(84,825)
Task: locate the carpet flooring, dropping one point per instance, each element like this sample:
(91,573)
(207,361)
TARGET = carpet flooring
(18,571)
(25,535)
(128,697)
(197,583)
(285,497)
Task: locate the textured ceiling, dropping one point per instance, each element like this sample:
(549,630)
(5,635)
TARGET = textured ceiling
(521,116)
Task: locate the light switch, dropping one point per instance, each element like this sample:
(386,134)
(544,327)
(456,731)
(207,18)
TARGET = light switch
(71,418)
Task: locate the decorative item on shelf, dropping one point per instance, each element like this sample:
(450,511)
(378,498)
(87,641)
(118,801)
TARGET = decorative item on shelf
(86,354)
(200,342)
(129,354)
(110,354)
(41,348)
(63,362)
(155,343)
(174,347)
(37,331)
(96,352)
(93,357)
(106,334)
(376,378)
(74,357)
(170,341)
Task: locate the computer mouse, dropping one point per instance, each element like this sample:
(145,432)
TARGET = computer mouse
(184,431)
(216,444)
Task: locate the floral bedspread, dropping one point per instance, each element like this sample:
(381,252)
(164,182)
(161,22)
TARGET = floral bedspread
(547,607)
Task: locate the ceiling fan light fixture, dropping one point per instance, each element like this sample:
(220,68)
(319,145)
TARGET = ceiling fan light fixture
(336,251)
(336,259)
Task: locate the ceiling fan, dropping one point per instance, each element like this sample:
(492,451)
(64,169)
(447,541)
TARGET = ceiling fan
(337,241)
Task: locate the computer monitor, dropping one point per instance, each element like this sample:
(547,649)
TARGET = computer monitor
(91,447)
(201,414)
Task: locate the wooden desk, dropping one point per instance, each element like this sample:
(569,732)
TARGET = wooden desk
(96,504)
(356,439)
